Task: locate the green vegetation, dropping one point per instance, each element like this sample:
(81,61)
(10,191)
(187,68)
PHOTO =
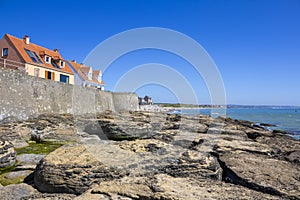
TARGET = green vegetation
(34,148)
(39,148)
(7,169)
(178,105)
(6,180)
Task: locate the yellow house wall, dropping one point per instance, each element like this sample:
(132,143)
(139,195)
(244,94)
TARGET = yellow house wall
(30,70)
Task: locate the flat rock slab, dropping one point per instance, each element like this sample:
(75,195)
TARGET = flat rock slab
(16,191)
(163,186)
(29,159)
(20,144)
(14,177)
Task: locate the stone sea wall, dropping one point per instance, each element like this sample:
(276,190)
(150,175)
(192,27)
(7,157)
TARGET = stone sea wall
(22,96)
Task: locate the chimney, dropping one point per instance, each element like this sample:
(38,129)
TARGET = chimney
(26,39)
(55,50)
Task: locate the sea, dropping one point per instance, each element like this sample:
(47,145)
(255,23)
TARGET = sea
(286,118)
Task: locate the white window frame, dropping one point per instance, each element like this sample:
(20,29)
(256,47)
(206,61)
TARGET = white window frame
(3,52)
(49,59)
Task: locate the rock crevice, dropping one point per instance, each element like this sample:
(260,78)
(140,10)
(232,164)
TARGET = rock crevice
(229,176)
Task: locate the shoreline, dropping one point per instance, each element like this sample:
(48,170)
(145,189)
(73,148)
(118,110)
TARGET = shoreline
(271,126)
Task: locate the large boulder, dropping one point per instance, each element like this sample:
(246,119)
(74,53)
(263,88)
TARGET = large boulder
(74,168)
(71,169)
(7,154)
(116,128)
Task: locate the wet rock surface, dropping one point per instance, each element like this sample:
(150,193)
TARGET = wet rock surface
(142,155)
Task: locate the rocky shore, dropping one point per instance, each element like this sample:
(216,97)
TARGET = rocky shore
(145,155)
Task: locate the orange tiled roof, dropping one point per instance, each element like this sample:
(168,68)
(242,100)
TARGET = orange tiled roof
(20,45)
(82,69)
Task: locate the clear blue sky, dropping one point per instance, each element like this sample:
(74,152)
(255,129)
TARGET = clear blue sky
(254,43)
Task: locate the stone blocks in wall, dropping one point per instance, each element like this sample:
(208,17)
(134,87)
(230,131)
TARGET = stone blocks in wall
(22,96)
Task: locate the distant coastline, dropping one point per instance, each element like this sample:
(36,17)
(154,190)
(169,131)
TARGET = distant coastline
(284,119)
(200,106)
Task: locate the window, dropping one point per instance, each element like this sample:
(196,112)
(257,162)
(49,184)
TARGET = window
(54,64)
(49,75)
(64,78)
(5,52)
(47,59)
(38,58)
(31,55)
(37,72)
(34,57)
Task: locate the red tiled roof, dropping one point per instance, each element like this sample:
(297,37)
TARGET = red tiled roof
(20,45)
(81,69)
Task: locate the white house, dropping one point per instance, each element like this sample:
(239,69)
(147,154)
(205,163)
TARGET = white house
(86,76)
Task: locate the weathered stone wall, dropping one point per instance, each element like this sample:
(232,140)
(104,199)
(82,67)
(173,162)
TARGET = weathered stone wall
(22,96)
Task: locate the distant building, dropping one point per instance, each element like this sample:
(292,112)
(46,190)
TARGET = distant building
(86,76)
(145,101)
(36,60)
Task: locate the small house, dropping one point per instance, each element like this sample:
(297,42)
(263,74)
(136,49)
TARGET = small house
(145,101)
(22,54)
(85,76)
